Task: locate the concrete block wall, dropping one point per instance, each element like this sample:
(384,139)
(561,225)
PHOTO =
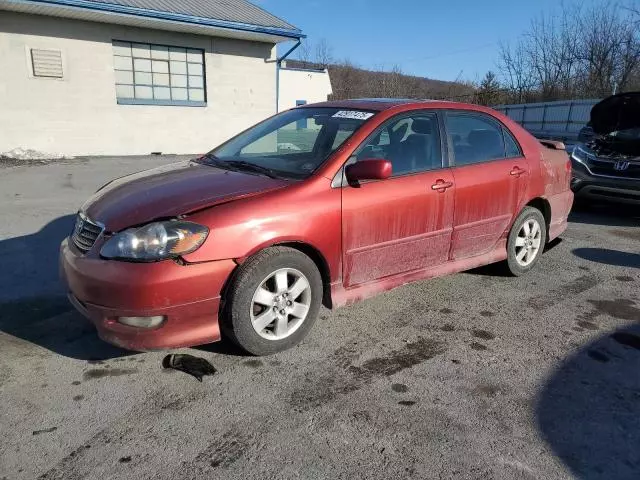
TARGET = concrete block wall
(79,114)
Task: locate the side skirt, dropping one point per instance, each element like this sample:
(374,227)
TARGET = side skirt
(341,296)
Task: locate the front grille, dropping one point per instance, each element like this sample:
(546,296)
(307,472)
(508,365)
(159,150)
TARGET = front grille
(85,233)
(607,168)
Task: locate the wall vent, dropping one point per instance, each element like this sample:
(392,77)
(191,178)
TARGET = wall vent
(46,63)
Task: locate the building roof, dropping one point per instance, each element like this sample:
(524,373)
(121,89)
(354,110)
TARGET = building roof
(235,11)
(216,15)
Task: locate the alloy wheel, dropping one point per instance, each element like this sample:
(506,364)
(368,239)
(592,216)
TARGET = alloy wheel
(280,304)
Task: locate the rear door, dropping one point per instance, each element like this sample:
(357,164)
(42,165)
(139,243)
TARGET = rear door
(490,175)
(403,223)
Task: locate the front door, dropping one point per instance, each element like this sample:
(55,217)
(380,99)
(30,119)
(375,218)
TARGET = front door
(490,175)
(403,223)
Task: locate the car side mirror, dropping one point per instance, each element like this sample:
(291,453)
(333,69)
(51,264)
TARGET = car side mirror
(371,169)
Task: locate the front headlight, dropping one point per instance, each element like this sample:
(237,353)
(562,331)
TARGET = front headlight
(155,241)
(581,154)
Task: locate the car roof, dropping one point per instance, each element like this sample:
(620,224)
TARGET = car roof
(380,104)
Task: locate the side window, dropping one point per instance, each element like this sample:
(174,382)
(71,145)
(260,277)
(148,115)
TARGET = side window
(511,147)
(474,138)
(410,142)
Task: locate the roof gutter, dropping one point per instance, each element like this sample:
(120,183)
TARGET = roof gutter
(278,66)
(169,16)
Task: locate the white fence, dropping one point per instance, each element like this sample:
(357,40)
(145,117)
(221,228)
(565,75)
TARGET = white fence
(560,120)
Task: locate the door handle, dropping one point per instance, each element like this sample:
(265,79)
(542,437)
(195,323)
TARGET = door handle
(517,171)
(441,186)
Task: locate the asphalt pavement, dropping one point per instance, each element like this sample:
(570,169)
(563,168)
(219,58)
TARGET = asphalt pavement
(470,376)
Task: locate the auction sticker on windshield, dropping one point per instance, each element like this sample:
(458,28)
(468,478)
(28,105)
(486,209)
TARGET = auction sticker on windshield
(353,114)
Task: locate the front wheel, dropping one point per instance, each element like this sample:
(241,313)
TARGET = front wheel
(526,242)
(273,301)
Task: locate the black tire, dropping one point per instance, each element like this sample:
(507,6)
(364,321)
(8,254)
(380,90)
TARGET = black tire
(528,213)
(236,318)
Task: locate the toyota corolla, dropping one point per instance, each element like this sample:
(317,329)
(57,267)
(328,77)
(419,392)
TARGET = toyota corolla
(322,204)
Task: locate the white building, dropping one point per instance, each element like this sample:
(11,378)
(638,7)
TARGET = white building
(128,77)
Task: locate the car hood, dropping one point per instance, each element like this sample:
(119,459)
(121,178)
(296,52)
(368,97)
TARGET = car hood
(169,191)
(618,112)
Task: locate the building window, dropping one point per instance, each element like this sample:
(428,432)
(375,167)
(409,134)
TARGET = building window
(158,74)
(46,63)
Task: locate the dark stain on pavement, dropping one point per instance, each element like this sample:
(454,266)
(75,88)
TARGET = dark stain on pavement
(44,430)
(447,327)
(399,387)
(568,290)
(621,308)
(478,346)
(77,398)
(487,390)
(411,354)
(76,382)
(253,363)
(224,451)
(126,459)
(624,278)
(343,377)
(627,339)
(483,334)
(407,403)
(114,372)
(487,313)
(446,311)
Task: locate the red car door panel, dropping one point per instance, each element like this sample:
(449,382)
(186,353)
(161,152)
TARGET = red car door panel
(396,226)
(486,198)
(490,177)
(403,223)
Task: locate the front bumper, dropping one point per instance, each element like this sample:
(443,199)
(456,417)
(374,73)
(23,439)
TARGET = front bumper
(187,295)
(586,185)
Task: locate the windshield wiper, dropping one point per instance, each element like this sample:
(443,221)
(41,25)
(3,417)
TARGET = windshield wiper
(252,167)
(239,165)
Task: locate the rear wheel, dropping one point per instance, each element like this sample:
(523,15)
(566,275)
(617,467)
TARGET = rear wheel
(273,301)
(526,242)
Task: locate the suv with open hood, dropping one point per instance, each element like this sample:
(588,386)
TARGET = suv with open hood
(608,165)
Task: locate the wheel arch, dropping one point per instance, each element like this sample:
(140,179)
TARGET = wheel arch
(321,263)
(307,249)
(543,205)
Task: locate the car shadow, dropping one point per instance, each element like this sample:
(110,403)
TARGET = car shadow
(608,257)
(605,214)
(223,347)
(33,303)
(500,270)
(588,411)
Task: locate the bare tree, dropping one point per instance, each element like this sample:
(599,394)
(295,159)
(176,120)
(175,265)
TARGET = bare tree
(324,54)
(304,53)
(583,52)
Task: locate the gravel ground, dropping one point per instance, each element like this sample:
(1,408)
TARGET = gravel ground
(471,376)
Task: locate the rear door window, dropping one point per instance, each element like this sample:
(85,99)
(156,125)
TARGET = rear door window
(475,138)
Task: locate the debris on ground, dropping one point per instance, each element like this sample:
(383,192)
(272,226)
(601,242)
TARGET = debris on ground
(30,154)
(194,366)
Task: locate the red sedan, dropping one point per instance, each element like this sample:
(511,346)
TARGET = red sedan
(327,203)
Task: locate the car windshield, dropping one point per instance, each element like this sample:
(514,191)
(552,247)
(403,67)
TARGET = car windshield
(292,144)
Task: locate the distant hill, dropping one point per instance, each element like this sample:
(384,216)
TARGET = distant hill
(350,81)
